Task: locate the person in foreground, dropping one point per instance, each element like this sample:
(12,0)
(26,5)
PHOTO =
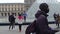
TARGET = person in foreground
(42,26)
(41,23)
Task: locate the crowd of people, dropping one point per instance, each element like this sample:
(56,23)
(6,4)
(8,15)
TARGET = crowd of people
(21,18)
(39,25)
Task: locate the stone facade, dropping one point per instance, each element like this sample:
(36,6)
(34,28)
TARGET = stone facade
(8,8)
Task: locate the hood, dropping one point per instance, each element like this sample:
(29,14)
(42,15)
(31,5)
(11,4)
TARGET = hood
(40,13)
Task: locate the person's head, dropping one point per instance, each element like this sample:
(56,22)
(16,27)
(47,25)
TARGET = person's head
(44,7)
(12,13)
(20,15)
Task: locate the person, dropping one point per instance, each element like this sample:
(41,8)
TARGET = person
(12,21)
(20,20)
(56,17)
(24,14)
(57,20)
(42,26)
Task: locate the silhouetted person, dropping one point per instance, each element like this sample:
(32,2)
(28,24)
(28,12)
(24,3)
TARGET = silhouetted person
(20,20)
(12,21)
(42,22)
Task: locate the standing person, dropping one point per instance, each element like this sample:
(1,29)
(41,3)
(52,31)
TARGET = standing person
(24,14)
(56,17)
(20,20)
(12,21)
(57,20)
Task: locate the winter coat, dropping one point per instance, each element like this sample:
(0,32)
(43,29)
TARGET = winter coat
(42,23)
(20,19)
(11,18)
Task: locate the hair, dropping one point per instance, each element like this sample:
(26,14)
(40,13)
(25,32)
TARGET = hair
(12,13)
(43,6)
(19,14)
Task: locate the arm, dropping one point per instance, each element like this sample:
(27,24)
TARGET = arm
(9,18)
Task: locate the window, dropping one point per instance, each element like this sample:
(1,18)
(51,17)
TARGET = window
(13,9)
(8,14)
(10,6)
(15,14)
(4,9)
(16,9)
(5,14)
(21,9)
(14,6)
(10,9)
(18,13)
(1,9)
(7,9)
(1,14)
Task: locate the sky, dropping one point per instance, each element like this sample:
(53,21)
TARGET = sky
(58,0)
(15,1)
(11,1)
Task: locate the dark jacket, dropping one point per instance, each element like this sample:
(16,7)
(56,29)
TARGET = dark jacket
(42,23)
(31,28)
(11,18)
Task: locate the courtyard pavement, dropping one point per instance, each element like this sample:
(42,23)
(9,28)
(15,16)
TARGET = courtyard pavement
(5,29)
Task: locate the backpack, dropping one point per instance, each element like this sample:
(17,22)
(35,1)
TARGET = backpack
(31,28)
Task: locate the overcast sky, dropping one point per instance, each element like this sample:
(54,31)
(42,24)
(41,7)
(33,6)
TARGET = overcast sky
(15,1)
(11,1)
(58,0)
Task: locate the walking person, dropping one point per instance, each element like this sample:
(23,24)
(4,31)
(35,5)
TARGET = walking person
(20,20)
(12,21)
